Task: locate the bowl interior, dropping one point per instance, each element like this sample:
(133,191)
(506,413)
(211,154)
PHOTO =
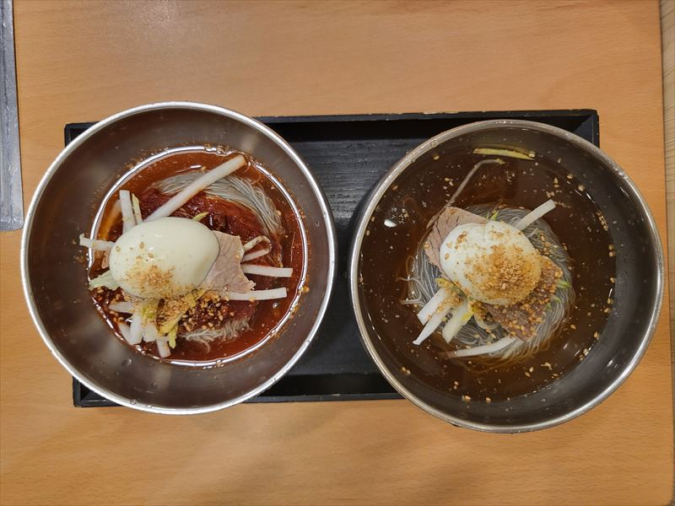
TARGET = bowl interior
(624,331)
(56,275)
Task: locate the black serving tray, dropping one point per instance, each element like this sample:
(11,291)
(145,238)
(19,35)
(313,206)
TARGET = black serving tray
(348,155)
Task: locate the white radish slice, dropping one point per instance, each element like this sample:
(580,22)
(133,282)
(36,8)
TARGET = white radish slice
(256,254)
(163,348)
(535,214)
(505,152)
(199,184)
(460,316)
(150,332)
(254,242)
(485,349)
(466,180)
(95,244)
(433,304)
(136,206)
(274,293)
(266,270)
(125,331)
(433,323)
(136,329)
(128,218)
(122,307)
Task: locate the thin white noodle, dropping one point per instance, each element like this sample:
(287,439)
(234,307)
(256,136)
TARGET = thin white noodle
(533,216)
(266,270)
(232,189)
(128,219)
(95,244)
(199,184)
(274,293)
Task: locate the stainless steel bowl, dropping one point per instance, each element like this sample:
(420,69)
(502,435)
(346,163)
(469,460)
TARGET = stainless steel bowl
(638,289)
(55,278)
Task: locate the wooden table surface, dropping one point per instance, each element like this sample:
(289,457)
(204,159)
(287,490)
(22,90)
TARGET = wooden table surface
(81,61)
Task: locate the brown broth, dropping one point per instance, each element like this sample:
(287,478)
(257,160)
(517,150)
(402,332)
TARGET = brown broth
(414,198)
(224,217)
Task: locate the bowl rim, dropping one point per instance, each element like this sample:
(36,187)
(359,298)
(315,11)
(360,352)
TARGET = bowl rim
(327,218)
(399,167)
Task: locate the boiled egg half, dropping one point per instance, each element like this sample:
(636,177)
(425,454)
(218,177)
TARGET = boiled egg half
(493,262)
(164,258)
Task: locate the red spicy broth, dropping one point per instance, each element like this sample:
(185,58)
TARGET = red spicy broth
(289,249)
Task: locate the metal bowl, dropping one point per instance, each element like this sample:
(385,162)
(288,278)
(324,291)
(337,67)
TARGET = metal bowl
(637,296)
(55,281)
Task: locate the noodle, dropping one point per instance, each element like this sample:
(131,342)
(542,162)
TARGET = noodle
(233,189)
(205,306)
(421,282)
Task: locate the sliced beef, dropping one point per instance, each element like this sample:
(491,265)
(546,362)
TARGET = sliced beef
(226,273)
(521,319)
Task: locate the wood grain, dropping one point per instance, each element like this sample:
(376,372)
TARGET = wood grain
(668,56)
(80,61)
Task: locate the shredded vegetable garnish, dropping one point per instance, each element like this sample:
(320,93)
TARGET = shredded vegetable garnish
(172,336)
(122,307)
(104,280)
(148,309)
(175,309)
(200,216)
